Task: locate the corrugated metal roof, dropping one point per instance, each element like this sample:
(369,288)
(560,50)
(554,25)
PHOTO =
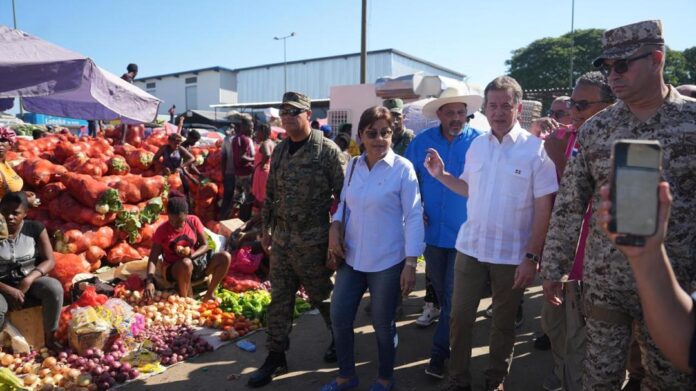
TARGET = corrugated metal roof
(305,61)
(177,74)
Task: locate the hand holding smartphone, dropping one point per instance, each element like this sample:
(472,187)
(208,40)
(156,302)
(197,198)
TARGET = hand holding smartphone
(636,173)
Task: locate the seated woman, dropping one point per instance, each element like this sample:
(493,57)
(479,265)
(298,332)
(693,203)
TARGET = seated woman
(384,235)
(185,255)
(26,258)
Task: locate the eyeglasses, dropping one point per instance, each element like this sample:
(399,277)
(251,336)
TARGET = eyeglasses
(620,66)
(372,133)
(582,105)
(294,112)
(558,113)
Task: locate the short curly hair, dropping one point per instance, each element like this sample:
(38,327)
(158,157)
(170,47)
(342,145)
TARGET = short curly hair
(599,80)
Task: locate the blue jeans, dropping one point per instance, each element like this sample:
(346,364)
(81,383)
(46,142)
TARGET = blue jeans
(439,263)
(385,288)
(228,195)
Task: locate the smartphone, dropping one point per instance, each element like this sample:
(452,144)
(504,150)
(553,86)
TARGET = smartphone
(637,169)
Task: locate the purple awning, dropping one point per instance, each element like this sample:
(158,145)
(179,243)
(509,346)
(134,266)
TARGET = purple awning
(56,81)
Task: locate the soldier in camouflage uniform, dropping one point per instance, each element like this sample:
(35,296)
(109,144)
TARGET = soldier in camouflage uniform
(633,58)
(305,173)
(402,136)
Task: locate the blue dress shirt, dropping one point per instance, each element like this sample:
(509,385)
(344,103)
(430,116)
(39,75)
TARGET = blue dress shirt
(445,210)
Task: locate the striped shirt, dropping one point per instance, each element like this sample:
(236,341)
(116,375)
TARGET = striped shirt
(504,178)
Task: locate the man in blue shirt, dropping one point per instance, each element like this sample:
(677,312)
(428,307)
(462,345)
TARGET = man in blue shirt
(444,210)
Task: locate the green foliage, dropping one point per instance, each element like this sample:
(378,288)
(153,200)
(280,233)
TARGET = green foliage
(690,57)
(676,72)
(545,63)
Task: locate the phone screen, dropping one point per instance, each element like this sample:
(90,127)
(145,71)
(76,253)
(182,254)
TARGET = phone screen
(636,193)
(637,168)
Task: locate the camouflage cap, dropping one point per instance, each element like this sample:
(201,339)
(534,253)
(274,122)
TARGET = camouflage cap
(623,42)
(394,105)
(298,100)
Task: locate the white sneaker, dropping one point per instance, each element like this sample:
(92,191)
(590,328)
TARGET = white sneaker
(429,316)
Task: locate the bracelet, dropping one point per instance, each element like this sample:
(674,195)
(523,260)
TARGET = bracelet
(150,278)
(412,264)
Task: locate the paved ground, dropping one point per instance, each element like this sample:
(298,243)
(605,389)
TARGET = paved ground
(310,338)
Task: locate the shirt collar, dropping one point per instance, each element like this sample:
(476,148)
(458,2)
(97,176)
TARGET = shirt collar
(513,134)
(389,158)
(673,101)
(460,135)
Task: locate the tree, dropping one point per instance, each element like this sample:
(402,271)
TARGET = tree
(690,57)
(676,70)
(545,63)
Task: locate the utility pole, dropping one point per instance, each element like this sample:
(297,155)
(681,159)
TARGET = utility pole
(363,43)
(285,59)
(14,20)
(572,40)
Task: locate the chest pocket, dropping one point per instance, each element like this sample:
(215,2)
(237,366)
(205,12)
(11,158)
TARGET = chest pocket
(517,181)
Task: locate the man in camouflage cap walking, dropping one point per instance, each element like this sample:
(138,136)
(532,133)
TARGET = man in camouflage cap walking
(402,136)
(633,58)
(305,173)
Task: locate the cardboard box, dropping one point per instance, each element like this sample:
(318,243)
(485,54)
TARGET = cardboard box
(29,322)
(229,226)
(82,342)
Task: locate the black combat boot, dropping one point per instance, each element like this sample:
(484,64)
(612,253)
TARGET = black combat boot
(274,365)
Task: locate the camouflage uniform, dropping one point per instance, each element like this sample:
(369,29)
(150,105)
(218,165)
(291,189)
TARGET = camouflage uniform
(611,300)
(401,143)
(298,198)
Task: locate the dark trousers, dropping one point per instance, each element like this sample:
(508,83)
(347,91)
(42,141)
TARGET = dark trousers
(50,293)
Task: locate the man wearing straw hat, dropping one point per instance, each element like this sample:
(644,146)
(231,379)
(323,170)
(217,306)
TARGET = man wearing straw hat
(445,210)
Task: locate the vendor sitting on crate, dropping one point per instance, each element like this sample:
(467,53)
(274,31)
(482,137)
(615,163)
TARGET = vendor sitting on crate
(26,258)
(182,243)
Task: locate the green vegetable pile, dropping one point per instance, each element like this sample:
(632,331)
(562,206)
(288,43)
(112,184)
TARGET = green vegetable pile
(250,304)
(254,304)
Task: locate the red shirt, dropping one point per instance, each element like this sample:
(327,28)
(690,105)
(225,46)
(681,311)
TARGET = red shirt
(167,237)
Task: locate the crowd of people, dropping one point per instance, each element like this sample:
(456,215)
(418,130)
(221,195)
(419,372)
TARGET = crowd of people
(490,211)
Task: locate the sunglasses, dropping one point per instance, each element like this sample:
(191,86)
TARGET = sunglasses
(581,105)
(620,66)
(294,112)
(558,113)
(372,134)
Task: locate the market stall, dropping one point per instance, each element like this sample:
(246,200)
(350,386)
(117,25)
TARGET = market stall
(56,81)
(101,202)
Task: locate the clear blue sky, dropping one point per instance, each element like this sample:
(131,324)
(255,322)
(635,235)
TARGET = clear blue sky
(472,37)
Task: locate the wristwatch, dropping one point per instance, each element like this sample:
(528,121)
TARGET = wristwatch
(532,257)
(150,278)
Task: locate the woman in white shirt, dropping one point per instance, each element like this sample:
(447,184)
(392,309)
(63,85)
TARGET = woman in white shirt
(384,235)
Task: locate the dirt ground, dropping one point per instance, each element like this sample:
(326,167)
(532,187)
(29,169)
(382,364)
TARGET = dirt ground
(307,371)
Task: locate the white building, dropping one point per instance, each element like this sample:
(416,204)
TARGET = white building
(200,88)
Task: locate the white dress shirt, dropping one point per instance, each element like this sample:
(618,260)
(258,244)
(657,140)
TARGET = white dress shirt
(504,178)
(385,216)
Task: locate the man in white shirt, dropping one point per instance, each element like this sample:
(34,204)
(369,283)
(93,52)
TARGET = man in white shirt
(510,182)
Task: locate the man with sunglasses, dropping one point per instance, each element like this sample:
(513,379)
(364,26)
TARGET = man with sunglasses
(633,59)
(306,172)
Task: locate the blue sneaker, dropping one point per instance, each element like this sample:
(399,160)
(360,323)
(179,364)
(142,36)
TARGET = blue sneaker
(377,386)
(333,386)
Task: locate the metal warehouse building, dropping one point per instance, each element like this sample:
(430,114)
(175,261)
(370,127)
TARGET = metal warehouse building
(199,89)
